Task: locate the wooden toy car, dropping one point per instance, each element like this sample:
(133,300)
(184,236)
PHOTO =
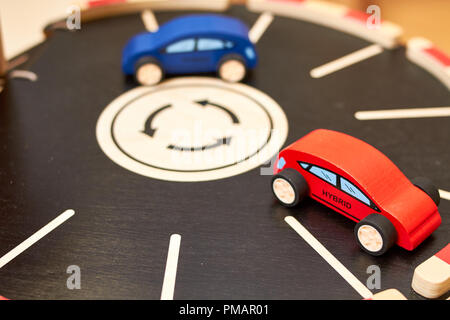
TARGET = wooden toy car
(191,44)
(358,181)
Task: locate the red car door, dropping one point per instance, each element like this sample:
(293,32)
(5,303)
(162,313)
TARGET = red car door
(337,193)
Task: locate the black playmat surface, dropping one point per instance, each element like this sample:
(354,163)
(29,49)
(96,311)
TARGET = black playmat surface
(235,244)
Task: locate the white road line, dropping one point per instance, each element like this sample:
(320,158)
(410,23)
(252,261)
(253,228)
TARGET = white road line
(346,61)
(170,274)
(321,250)
(260,26)
(403,113)
(23,74)
(36,237)
(444,194)
(150,22)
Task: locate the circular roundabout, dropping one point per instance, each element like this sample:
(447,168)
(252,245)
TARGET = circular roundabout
(191,156)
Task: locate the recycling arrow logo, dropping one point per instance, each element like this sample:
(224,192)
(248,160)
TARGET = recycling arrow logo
(192,129)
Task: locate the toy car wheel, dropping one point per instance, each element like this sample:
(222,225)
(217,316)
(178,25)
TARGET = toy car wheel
(289,187)
(375,234)
(148,72)
(428,187)
(232,69)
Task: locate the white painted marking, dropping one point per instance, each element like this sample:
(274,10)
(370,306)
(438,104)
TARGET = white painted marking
(23,74)
(332,261)
(346,61)
(150,22)
(36,237)
(403,113)
(444,194)
(170,274)
(260,26)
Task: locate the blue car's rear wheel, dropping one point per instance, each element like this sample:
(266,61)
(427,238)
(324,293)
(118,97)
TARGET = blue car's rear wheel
(148,72)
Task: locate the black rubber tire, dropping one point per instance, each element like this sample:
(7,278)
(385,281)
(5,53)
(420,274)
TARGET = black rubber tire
(427,186)
(383,226)
(229,57)
(298,183)
(145,60)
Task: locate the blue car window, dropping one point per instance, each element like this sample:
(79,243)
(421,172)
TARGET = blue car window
(349,188)
(324,174)
(210,44)
(186,45)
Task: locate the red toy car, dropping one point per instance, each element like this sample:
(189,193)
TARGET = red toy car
(358,181)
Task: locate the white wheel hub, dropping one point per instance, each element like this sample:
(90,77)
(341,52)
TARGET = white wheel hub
(149,74)
(232,71)
(370,238)
(283,191)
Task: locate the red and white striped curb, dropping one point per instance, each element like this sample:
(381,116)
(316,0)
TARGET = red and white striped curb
(214,5)
(423,53)
(3,298)
(332,15)
(432,278)
(389,294)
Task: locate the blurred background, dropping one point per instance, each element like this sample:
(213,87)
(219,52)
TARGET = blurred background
(22,21)
(425,18)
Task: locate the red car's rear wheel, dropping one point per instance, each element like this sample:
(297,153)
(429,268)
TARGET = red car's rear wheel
(428,187)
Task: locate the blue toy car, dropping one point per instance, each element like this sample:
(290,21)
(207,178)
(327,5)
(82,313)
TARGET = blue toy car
(191,44)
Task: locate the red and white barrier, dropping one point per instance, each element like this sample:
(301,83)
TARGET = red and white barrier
(3,298)
(96,9)
(213,5)
(423,53)
(332,15)
(389,294)
(432,278)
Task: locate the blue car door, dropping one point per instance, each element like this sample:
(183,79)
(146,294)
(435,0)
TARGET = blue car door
(210,51)
(182,57)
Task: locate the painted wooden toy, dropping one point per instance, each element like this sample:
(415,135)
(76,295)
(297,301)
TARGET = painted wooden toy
(358,181)
(432,278)
(389,294)
(191,44)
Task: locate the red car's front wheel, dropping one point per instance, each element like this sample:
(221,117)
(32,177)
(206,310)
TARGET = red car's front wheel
(289,187)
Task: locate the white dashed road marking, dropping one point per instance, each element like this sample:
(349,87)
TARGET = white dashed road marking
(170,274)
(444,194)
(23,74)
(346,61)
(36,237)
(150,22)
(403,113)
(332,261)
(260,26)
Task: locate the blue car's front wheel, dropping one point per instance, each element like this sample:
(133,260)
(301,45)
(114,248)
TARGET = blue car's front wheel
(232,69)
(148,72)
